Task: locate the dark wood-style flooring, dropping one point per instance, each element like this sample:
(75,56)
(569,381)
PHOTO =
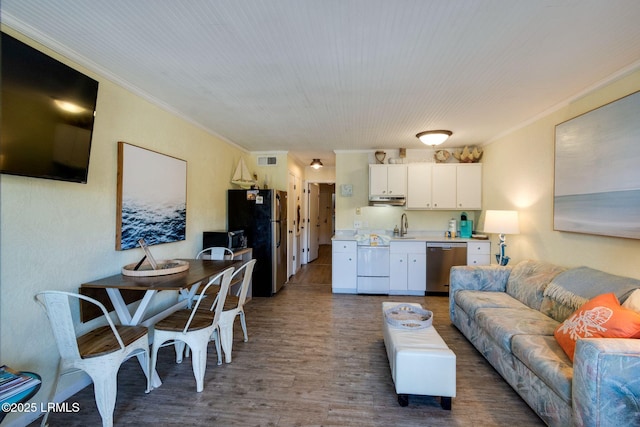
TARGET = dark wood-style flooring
(313,359)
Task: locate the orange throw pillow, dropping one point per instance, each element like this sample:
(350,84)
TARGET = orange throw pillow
(600,317)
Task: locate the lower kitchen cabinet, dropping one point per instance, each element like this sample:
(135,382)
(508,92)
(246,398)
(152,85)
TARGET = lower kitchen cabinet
(478,253)
(408,268)
(344,270)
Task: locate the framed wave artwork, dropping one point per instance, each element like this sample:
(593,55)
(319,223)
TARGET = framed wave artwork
(597,177)
(152,197)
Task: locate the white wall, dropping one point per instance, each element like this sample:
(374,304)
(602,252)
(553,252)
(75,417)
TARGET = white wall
(57,235)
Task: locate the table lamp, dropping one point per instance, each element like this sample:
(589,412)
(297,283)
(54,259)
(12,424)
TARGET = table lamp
(501,222)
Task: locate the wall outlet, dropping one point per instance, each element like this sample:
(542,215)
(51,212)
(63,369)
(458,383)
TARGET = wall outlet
(357,224)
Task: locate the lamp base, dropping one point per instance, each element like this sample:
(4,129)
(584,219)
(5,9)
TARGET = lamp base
(504,261)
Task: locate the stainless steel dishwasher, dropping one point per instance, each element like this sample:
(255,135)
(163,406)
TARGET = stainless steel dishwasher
(441,256)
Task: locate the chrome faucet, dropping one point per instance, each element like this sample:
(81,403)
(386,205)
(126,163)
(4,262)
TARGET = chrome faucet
(404,224)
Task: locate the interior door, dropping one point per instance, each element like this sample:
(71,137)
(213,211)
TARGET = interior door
(292,223)
(313,223)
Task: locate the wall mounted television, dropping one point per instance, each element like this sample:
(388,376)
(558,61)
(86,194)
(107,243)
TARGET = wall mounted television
(48,112)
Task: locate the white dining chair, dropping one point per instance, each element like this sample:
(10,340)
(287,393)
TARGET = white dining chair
(193,328)
(229,314)
(215,253)
(99,352)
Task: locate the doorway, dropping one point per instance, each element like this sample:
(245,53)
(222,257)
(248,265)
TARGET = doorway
(321,217)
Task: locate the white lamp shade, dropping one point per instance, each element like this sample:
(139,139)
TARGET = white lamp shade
(501,222)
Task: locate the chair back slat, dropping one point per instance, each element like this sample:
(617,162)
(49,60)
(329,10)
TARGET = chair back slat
(246,280)
(216,253)
(58,311)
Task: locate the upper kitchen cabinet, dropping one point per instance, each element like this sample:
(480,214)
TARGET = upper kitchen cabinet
(387,180)
(469,186)
(450,186)
(443,186)
(419,185)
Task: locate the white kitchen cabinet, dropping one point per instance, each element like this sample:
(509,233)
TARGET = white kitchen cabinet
(443,186)
(387,180)
(408,268)
(469,186)
(479,253)
(453,186)
(419,185)
(344,270)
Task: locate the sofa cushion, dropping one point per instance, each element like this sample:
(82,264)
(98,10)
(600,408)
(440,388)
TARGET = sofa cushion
(470,301)
(601,317)
(501,324)
(633,302)
(544,357)
(529,278)
(569,290)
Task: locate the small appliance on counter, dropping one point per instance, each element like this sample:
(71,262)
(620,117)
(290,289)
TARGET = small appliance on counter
(466,226)
(453,228)
(226,239)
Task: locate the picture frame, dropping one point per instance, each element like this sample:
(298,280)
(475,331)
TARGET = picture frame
(151,199)
(597,179)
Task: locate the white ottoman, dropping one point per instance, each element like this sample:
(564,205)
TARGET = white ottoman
(420,362)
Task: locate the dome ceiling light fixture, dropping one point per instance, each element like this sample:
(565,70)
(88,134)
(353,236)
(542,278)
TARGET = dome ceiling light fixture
(434,137)
(316,164)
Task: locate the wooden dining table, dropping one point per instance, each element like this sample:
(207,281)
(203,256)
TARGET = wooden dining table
(185,283)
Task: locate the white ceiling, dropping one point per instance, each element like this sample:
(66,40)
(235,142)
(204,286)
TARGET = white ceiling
(313,76)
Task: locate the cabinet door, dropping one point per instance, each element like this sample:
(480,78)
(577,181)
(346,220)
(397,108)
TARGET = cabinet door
(378,180)
(469,186)
(344,270)
(443,186)
(478,253)
(417,272)
(396,180)
(397,273)
(419,186)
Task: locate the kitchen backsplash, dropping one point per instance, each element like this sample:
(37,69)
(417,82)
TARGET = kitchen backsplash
(387,217)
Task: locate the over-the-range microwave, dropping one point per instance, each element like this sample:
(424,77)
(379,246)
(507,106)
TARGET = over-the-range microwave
(227,239)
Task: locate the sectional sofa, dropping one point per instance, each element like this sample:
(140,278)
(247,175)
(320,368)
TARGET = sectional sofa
(515,316)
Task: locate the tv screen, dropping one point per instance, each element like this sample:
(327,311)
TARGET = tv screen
(47,115)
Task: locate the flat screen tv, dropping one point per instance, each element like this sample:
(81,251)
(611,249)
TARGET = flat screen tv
(47,115)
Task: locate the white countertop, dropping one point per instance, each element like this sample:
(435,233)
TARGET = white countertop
(417,236)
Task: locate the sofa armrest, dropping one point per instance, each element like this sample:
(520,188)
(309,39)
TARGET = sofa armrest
(492,278)
(606,382)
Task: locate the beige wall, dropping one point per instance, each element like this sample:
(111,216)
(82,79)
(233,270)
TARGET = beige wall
(56,235)
(518,174)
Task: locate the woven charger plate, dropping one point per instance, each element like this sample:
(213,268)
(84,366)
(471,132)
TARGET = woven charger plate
(407,316)
(166,266)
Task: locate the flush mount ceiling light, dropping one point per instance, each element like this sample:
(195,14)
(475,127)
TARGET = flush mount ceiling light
(316,164)
(434,137)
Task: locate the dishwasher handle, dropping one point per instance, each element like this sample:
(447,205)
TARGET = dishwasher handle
(445,246)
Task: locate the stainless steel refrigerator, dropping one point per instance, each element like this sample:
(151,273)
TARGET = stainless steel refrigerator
(262,214)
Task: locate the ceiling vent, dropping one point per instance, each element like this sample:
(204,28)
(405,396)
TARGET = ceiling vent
(267,161)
